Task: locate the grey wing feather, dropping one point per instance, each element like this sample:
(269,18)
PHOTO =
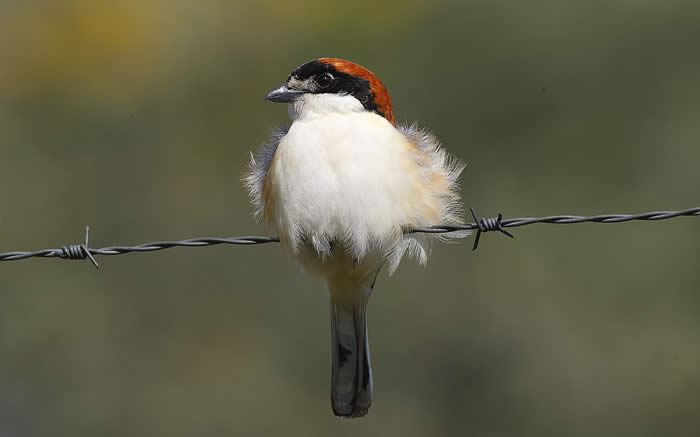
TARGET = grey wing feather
(258,167)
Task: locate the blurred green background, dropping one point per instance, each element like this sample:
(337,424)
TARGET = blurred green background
(137,117)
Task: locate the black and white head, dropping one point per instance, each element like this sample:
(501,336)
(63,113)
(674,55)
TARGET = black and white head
(333,84)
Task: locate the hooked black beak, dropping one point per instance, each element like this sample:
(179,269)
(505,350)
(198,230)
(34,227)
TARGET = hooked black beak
(283,94)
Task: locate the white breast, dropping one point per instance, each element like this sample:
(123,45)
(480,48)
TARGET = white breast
(343,177)
(350,178)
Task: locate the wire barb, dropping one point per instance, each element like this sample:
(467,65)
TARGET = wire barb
(79,251)
(83,251)
(488,225)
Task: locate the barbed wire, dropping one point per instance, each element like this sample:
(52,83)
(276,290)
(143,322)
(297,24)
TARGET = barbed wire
(490,224)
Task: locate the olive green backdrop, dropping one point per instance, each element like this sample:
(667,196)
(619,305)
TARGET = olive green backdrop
(137,118)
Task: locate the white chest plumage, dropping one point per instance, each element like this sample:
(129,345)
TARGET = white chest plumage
(345,178)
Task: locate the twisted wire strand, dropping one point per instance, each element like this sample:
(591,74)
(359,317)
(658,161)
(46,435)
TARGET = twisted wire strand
(566,219)
(482,225)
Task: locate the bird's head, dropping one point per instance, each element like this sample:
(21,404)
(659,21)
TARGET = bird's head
(333,85)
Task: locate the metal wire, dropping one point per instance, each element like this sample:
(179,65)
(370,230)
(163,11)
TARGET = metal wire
(83,251)
(498,223)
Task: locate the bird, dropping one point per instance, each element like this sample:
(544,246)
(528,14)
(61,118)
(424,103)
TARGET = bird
(340,186)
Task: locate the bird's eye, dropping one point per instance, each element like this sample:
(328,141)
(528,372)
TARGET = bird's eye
(324,80)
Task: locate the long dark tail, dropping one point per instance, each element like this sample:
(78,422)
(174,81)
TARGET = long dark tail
(351,375)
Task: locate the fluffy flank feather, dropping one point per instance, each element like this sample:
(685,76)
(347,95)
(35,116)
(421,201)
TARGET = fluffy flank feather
(258,166)
(441,163)
(437,164)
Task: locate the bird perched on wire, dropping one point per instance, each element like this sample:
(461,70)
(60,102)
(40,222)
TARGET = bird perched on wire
(339,186)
